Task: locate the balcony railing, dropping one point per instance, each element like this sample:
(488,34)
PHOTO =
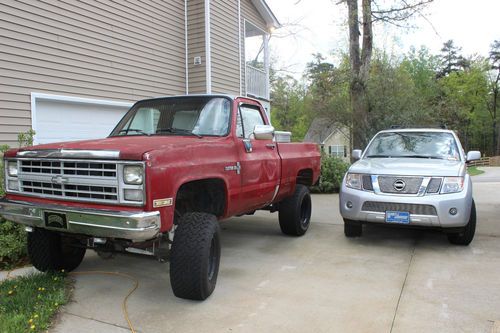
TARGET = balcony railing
(257,82)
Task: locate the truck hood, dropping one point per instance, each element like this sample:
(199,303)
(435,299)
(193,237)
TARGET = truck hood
(408,166)
(129,147)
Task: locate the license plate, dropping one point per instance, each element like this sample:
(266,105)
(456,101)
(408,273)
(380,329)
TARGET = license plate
(55,220)
(397,217)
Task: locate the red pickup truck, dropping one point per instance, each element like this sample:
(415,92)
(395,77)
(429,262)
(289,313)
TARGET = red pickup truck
(159,183)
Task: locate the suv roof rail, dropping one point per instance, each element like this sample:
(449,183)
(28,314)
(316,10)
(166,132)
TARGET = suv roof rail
(441,126)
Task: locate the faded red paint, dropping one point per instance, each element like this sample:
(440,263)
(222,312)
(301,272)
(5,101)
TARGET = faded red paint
(171,161)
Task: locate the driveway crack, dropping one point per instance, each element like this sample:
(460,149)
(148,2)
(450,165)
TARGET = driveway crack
(404,284)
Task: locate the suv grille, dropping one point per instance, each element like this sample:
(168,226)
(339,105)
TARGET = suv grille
(382,207)
(411,184)
(84,180)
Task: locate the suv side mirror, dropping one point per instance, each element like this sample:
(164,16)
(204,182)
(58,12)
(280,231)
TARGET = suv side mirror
(473,155)
(263,132)
(356,154)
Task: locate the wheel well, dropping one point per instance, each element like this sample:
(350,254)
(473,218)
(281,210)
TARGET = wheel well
(204,196)
(305,177)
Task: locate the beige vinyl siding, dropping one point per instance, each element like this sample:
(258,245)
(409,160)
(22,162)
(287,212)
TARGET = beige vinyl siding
(124,50)
(197,82)
(224,47)
(250,14)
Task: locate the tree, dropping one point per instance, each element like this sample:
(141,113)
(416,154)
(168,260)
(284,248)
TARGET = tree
(495,87)
(361,54)
(288,111)
(451,60)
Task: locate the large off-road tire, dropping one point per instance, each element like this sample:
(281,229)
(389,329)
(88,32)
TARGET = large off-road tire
(352,228)
(51,251)
(295,212)
(195,256)
(466,235)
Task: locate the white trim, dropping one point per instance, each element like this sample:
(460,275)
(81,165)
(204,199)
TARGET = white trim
(208,58)
(266,13)
(35,97)
(186,44)
(245,55)
(239,47)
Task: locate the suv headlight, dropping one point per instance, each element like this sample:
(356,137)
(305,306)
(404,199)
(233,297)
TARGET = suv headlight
(133,174)
(354,180)
(12,168)
(452,184)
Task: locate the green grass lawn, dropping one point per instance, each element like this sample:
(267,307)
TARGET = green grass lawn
(28,303)
(474,171)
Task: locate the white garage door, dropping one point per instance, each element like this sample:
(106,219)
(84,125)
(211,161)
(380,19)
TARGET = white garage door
(63,118)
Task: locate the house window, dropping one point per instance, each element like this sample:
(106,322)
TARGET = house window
(337,151)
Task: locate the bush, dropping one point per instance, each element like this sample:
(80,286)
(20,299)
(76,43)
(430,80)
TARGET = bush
(13,240)
(12,235)
(332,173)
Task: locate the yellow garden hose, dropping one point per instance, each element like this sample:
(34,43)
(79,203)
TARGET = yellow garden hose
(124,303)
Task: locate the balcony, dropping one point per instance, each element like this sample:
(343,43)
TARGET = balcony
(257,82)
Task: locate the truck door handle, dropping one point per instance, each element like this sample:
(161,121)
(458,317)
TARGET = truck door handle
(271,145)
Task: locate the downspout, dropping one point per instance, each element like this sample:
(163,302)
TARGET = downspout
(208,59)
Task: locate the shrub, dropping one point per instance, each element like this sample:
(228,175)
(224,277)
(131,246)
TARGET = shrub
(12,235)
(332,173)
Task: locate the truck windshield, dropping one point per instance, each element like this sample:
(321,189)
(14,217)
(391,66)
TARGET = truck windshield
(434,145)
(199,116)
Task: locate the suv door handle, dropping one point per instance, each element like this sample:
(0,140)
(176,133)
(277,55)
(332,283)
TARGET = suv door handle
(271,145)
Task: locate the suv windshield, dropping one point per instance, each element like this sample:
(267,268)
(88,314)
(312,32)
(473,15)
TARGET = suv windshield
(201,115)
(438,145)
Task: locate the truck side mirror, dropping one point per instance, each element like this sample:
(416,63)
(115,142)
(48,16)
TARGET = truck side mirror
(356,154)
(473,155)
(263,132)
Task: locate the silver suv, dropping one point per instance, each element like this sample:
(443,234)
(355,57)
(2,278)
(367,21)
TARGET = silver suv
(413,177)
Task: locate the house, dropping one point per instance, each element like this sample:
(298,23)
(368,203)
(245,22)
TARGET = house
(334,140)
(71,69)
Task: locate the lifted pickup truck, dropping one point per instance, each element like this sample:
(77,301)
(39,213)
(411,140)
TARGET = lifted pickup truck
(158,185)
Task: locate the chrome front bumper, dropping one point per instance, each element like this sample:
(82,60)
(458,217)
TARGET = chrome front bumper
(442,203)
(135,226)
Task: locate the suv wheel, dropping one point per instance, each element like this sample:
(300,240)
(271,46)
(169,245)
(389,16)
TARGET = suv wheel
(466,235)
(352,228)
(195,256)
(295,212)
(51,251)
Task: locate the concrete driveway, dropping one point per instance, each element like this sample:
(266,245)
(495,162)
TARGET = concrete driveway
(390,280)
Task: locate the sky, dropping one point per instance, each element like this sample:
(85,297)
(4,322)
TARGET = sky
(311,26)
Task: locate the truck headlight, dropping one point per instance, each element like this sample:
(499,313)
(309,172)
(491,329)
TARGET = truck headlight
(12,168)
(354,180)
(452,184)
(133,174)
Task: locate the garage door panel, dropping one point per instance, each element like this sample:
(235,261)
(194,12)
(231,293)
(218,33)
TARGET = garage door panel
(57,121)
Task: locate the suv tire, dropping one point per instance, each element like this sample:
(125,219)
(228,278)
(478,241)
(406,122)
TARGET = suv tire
(51,251)
(295,212)
(352,228)
(195,256)
(466,235)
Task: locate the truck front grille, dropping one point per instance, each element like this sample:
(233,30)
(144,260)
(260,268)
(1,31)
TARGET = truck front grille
(80,168)
(382,207)
(78,180)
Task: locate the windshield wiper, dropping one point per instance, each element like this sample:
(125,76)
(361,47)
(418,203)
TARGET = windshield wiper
(379,156)
(177,131)
(423,156)
(141,132)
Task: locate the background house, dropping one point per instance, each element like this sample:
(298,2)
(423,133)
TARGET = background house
(332,138)
(71,69)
